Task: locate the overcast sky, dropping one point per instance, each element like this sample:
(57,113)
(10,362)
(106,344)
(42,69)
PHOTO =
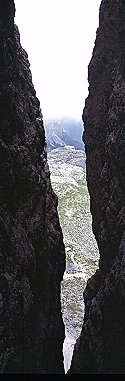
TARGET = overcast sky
(59,36)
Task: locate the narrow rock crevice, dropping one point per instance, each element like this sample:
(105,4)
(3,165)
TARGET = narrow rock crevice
(32,255)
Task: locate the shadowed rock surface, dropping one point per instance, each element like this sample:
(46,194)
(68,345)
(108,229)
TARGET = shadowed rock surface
(32,259)
(100,348)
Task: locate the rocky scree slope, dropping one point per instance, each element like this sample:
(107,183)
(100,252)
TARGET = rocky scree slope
(100,348)
(32,259)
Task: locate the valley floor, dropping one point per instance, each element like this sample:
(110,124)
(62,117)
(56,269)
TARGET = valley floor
(68,177)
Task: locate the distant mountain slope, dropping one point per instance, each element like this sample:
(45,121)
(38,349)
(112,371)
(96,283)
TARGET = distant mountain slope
(73,127)
(63,132)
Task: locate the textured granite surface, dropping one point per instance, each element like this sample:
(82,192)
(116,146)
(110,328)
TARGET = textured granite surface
(100,348)
(32,258)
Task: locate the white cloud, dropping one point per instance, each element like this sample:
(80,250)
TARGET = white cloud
(58,36)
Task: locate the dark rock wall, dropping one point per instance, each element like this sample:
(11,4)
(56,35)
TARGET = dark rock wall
(32,258)
(101,346)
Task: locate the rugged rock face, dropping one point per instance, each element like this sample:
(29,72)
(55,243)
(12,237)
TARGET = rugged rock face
(101,346)
(59,133)
(32,259)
